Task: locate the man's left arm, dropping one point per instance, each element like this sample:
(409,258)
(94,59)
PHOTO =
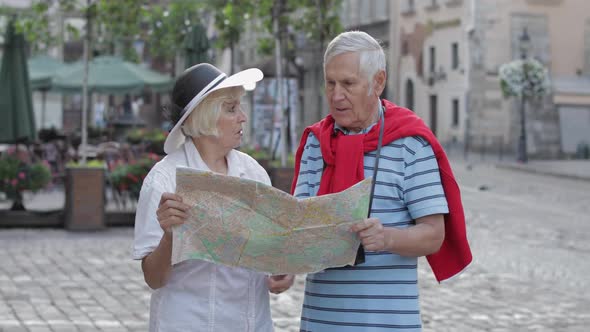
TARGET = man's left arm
(422,239)
(424,198)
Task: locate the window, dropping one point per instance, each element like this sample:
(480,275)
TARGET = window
(365,12)
(433,113)
(432,59)
(454,3)
(454,55)
(405,47)
(409,7)
(381,9)
(433,5)
(421,65)
(455,112)
(409,95)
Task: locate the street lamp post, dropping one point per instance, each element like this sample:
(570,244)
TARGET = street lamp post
(525,41)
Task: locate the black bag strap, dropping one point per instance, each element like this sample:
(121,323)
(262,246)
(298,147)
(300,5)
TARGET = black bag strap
(360,254)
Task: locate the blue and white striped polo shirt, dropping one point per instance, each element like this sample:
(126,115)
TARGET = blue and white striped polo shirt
(382,293)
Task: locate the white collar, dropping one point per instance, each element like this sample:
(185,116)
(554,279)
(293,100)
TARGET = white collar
(194,160)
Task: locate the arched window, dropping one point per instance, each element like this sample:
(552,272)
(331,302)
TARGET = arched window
(409,95)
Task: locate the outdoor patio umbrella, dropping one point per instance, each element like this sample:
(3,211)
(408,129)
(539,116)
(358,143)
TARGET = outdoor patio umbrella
(17,123)
(196,46)
(111,75)
(42,70)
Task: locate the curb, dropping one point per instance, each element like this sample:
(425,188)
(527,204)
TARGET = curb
(55,219)
(529,169)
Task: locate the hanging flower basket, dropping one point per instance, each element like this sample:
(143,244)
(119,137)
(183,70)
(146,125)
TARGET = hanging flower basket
(524,77)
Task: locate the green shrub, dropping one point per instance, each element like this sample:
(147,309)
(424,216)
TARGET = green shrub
(256,153)
(277,162)
(137,136)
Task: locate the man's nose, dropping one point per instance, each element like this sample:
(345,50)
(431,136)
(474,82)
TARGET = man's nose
(338,93)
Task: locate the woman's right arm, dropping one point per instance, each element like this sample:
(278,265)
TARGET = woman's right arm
(157,265)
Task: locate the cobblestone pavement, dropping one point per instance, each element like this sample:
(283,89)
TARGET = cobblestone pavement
(529,234)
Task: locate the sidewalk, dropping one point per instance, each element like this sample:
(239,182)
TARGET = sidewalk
(577,169)
(574,169)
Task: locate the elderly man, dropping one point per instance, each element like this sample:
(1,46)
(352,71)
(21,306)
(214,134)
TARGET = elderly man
(416,206)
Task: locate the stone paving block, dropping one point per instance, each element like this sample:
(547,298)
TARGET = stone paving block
(13,328)
(114,329)
(68,328)
(39,329)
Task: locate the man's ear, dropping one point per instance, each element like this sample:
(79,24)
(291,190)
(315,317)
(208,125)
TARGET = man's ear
(379,82)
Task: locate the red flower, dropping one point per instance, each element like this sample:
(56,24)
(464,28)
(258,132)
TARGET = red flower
(21,175)
(133,178)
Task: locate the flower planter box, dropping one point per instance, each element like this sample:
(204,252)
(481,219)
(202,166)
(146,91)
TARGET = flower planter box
(37,219)
(85,199)
(281,178)
(265,163)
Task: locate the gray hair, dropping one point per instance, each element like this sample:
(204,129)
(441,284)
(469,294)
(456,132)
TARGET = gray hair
(371,55)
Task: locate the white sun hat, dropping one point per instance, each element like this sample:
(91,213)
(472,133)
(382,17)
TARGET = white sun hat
(196,83)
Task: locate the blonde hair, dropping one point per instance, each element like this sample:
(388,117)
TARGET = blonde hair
(203,118)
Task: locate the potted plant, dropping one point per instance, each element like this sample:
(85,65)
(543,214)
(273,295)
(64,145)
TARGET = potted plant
(17,176)
(129,177)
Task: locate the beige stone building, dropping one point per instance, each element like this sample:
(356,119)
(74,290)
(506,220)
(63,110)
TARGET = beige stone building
(447,61)
(428,63)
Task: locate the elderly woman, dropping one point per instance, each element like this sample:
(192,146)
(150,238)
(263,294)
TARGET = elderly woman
(196,295)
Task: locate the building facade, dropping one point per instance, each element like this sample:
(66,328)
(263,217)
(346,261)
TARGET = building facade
(429,67)
(447,61)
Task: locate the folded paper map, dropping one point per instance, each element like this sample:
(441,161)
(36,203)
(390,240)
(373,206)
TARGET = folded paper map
(240,222)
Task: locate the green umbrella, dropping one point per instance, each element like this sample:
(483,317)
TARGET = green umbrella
(196,45)
(42,70)
(17,123)
(111,75)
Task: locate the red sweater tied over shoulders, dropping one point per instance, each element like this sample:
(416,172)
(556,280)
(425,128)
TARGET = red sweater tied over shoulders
(343,157)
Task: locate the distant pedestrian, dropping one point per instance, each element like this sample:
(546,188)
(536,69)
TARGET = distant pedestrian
(127,107)
(52,156)
(99,114)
